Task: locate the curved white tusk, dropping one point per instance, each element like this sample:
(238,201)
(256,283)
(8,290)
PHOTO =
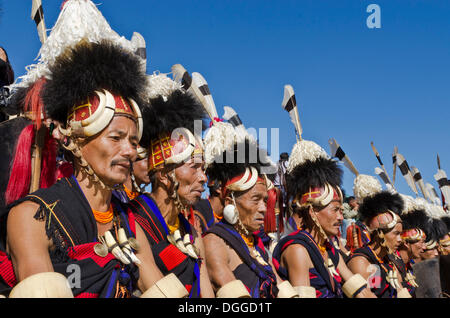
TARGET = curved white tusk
(115,249)
(126,248)
(140,122)
(106,116)
(179,241)
(190,249)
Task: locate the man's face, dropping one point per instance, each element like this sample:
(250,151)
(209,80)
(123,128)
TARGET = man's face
(428,254)
(417,248)
(109,153)
(140,171)
(191,179)
(393,238)
(353,204)
(330,218)
(252,205)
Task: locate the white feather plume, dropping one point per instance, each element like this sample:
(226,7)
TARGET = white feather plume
(302,151)
(79,19)
(365,186)
(160,84)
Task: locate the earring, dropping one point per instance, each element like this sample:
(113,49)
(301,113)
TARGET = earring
(230,214)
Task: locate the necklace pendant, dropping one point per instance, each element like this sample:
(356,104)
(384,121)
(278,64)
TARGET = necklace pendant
(101,249)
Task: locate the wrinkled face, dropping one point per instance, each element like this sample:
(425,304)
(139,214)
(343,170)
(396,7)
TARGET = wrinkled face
(330,218)
(109,153)
(252,206)
(417,248)
(140,171)
(191,179)
(393,238)
(427,254)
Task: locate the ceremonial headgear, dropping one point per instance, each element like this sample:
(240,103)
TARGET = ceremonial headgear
(86,73)
(382,210)
(170,123)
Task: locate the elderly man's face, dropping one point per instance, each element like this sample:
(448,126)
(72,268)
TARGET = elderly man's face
(109,153)
(330,218)
(191,179)
(252,205)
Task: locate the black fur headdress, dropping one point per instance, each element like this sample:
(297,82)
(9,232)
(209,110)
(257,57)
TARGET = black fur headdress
(313,174)
(245,154)
(415,219)
(87,67)
(179,109)
(380,203)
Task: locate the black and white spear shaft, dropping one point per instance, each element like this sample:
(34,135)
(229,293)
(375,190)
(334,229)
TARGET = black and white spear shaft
(37,14)
(418,179)
(289,104)
(338,152)
(377,154)
(394,162)
(406,172)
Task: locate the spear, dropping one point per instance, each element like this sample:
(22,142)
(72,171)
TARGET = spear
(394,161)
(336,151)
(377,154)
(37,14)
(289,104)
(418,179)
(406,172)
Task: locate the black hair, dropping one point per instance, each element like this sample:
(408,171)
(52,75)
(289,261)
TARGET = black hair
(313,174)
(380,203)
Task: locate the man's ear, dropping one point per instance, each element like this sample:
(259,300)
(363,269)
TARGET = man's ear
(229,200)
(162,178)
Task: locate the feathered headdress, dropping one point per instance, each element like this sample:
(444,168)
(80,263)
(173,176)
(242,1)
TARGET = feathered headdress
(172,110)
(373,209)
(312,176)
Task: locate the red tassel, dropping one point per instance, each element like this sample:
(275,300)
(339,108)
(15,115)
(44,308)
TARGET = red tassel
(19,180)
(281,214)
(270,225)
(33,101)
(65,170)
(48,164)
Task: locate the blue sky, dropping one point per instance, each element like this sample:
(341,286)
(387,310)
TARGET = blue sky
(352,83)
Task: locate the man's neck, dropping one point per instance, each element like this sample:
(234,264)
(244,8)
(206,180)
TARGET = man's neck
(404,255)
(379,250)
(128,184)
(98,199)
(166,205)
(216,205)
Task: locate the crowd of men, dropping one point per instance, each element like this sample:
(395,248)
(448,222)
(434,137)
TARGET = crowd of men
(107,173)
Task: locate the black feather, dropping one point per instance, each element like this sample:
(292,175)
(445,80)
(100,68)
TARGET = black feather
(446,220)
(437,230)
(415,219)
(87,67)
(181,109)
(244,155)
(313,175)
(380,203)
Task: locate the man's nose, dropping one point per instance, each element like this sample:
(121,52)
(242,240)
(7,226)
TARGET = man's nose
(129,150)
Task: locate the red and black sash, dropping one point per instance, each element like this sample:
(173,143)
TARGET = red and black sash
(168,257)
(321,280)
(70,223)
(260,280)
(378,282)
